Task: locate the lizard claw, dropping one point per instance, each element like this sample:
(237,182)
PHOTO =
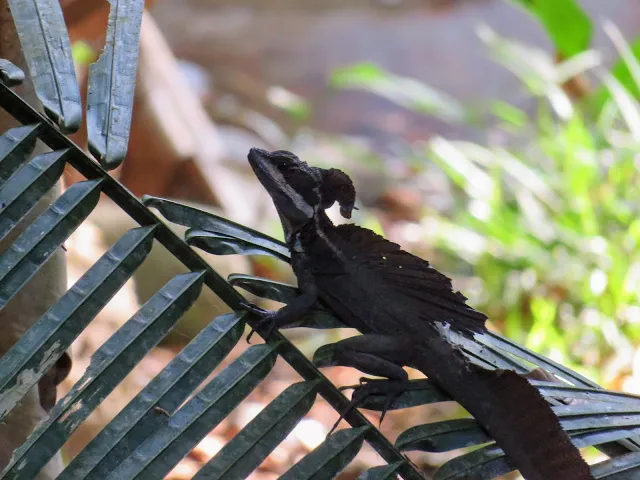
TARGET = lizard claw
(392,389)
(253,308)
(267,317)
(361,383)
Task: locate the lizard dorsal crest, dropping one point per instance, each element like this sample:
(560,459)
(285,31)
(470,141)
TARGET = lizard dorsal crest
(338,187)
(411,278)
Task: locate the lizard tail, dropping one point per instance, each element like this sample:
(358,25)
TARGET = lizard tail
(527,430)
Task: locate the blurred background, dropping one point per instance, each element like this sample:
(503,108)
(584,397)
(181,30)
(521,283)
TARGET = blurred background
(498,139)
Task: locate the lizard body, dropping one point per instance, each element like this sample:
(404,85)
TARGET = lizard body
(403,307)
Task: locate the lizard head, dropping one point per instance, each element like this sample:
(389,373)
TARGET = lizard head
(298,190)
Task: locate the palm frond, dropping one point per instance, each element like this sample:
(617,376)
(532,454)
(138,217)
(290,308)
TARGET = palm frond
(46,47)
(157,428)
(112,79)
(179,406)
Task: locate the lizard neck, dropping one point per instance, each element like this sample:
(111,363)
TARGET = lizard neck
(301,240)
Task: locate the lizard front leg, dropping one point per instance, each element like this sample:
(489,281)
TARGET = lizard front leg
(378,355)
(291,312)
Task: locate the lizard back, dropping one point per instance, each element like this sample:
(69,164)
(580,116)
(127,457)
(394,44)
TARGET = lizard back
(373,267)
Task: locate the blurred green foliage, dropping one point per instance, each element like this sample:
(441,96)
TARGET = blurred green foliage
(546,210)
(571,31)
(566,23)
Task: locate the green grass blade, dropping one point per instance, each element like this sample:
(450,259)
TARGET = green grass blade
(566,23)
(624,71)
(403,91)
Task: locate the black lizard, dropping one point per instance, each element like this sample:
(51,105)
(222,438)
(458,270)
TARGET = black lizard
(403,307)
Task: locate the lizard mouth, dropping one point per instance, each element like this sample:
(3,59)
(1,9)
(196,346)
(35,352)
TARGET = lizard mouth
(263,166)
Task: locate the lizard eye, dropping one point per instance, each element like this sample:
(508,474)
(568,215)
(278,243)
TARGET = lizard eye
(282,158)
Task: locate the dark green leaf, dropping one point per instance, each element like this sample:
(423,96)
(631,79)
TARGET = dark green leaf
(323,356)
(10,75)
(576,419)
(563,391)
(549,365)
(220,244)
(541,361)
(20,262)
(423,391)
(597,415)
(46,47)
(165,393)
(27,186)
(485,354)
(486,463)
(199,219)
(330,458)
(112,80)
(184,429)
(442,436)
(246,451)
(419,392)
(265,288)
(624,467)
(40,347)
(113,361)
(16,146)
(603,435)
(591,424)
(383,472)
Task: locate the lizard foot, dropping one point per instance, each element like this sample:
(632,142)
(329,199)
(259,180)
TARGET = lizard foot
(392,389)
(267,318)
